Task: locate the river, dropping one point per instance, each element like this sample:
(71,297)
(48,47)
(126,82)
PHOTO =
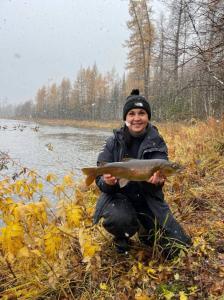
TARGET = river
(51,149)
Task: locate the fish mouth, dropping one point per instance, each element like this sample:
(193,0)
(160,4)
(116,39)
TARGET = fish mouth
(180,169)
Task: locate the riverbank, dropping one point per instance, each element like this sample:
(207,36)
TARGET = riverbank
(103,124)
(56,253)
(110,124)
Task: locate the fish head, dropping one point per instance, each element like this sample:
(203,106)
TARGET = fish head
(172,168)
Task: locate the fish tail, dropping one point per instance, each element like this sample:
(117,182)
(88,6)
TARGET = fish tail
(90,175)
(89,180)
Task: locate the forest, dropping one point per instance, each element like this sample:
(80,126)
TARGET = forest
(176,61)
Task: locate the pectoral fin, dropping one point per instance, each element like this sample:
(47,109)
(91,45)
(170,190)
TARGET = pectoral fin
(123,182)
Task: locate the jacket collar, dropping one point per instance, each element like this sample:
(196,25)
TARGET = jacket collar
(119,137)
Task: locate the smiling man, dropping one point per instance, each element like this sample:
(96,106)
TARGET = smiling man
(139,206)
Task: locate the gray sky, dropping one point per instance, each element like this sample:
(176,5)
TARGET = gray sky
(42,41)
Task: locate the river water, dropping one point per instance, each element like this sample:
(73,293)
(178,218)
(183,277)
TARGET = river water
(51,149)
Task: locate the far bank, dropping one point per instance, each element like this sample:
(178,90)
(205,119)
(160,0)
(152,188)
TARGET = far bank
(110,124)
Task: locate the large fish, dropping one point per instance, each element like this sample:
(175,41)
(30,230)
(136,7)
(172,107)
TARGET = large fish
(133,170)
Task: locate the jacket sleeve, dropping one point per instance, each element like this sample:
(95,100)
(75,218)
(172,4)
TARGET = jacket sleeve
(106,155)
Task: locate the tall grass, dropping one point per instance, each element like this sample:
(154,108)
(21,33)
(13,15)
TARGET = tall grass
(56,253)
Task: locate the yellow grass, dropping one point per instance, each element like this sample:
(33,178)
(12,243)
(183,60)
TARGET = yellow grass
(80,123)
(56,253)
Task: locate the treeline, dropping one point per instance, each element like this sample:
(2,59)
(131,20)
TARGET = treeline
(91,96)
(7,110)
(177,63)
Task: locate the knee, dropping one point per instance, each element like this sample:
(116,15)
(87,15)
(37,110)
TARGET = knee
(120,219)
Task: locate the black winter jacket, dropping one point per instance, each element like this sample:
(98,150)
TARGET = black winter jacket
(152,147)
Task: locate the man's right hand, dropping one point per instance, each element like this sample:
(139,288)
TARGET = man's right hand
(110,180)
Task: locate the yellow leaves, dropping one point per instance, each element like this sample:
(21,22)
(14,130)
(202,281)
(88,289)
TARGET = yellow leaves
(182,295)
(5,187)
(141,296)
(58,190)
(140,266)
(32,174)
(51,177)
(168,295)
(71,212)
(23,252)
(74,215)
(103,286)
(12,239)
(88,246)
(142,269)
(40,186)
(68,181)
(38,210)
(29,213)
(18,186)
(151,272)
(36,252)
(201,245)
(134,271)
(25,188)
(52,241)
(47,248)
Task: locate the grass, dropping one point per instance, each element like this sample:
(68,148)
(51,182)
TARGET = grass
(80,123)
(56,253)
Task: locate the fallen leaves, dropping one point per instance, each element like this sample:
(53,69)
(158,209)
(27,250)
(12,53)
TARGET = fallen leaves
(56,252)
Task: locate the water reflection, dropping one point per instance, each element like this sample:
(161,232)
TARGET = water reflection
(72,148)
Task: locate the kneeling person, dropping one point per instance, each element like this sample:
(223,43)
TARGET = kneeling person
(139,206)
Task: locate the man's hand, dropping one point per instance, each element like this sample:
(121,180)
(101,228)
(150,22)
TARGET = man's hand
(157,178)
(111,180)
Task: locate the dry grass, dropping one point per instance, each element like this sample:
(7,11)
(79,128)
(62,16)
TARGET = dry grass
(58,254)
(80,123)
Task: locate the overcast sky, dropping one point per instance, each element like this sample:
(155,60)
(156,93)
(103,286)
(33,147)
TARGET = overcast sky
(42,41)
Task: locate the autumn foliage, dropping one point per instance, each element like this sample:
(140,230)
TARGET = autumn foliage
(52,251)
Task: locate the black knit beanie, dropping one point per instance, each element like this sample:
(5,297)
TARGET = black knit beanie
(136,101)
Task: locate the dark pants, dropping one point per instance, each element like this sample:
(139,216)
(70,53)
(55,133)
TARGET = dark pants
(124,216)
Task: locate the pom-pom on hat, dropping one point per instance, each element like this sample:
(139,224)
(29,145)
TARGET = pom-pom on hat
(136,101)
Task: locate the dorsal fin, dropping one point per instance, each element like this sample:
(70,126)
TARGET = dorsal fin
(102,163)
(125,159)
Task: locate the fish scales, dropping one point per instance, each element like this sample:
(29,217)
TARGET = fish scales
(133,169)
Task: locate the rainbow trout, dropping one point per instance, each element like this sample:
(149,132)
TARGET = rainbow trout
(133,170)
